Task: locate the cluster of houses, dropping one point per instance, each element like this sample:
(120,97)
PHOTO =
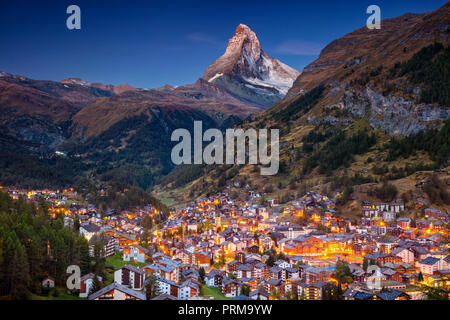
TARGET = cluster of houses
(233,241)
(252,251)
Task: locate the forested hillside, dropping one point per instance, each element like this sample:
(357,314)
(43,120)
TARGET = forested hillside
(33,246)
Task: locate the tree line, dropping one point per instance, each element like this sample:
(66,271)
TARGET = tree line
(33,245)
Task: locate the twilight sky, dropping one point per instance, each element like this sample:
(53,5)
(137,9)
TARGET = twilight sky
(150,43)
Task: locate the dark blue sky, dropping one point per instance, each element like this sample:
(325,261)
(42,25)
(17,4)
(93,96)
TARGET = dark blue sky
(150,43)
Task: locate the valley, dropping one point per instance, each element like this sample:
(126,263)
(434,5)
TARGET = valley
(146,195)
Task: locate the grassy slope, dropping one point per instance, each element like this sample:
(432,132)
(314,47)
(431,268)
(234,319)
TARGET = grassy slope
(62,296)
(115,262)
(212,292)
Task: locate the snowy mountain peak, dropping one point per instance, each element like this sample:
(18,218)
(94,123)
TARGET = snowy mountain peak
(244,41)
(247,71)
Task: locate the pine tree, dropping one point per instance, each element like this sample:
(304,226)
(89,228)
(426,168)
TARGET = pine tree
(33,245)
(18,271)
(96,285)
(201,273)
(365,264)
(151,288)
(245,290)
(420,276)
(85,259)
(144,239)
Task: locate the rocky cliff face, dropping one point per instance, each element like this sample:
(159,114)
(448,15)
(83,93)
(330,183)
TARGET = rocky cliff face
(393,114)
(247,71)
(357,69)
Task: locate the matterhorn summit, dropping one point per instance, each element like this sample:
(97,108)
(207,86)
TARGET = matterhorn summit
(246,71)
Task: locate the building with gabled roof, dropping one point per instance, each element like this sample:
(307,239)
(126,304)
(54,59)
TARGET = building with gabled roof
(131,276)
(116,291)
(428,265)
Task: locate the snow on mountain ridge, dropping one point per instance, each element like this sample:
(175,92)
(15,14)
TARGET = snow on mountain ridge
(244,62)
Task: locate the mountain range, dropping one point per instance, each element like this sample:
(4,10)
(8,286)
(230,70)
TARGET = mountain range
(122,125)
(373,107)
(247,71)
(344,115)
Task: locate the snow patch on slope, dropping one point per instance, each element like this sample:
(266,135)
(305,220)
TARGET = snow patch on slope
(280,77)
(218,75)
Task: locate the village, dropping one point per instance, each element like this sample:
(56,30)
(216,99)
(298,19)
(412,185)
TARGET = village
(227,249)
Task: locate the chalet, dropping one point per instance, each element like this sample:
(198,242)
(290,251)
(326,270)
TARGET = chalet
(411,278)
(276,272)
(386,245)
(401,267)
(311,291)
(191,274)
(444,264)
(291,273)
(164,296)
(383,258)
(168,287)
(130,276)
(409,233)
(259,295)
(282,264)
(290,231)
(404,223)
(273,202)
(240,256)
(424,224)
(116,291)
(394,207)
(253,283)
(163,271)
(214,278)
(123,239)
(349,294)
(48,283)
(433,213)
(392,294)
(391,274)
(360,276)
(275,284)
(136,253)
(254,258)
(232,266)
(151,269)
(389,216)
(108,244)
(244,270)
(86,284)
(184,256)
(231,287)
(313,275)
(420,252)
(173,268)
(188,289)
(253,248)
(370,212)
(379,229)
(89,230)
(428,265)
(441,278)
(260,270)
(406,254)
(201,259)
